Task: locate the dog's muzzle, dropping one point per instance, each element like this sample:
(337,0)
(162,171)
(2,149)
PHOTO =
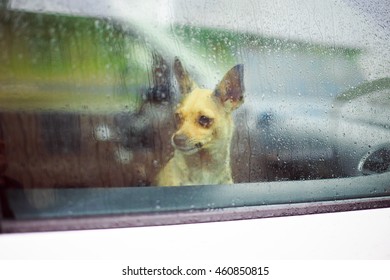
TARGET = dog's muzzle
(182,143)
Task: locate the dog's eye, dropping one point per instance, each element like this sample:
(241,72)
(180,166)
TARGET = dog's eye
(178,118)
(205,121)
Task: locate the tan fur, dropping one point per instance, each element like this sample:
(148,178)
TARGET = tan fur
(204,131)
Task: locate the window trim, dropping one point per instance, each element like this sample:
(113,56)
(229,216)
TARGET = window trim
(191,217)
(135,207)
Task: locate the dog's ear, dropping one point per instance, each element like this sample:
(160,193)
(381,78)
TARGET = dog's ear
(230,91)
(186,84)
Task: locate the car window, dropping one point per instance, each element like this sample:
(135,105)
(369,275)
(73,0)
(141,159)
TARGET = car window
(102,109)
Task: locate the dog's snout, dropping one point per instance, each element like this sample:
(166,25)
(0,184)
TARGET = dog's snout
(180,140)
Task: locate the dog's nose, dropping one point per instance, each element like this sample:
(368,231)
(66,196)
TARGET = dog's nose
(180,140)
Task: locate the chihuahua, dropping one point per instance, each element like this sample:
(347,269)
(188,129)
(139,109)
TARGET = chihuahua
(204,131)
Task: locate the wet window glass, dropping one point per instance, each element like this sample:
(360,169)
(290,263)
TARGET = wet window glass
(105,105)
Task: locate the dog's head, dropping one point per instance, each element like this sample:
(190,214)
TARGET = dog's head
(203,117)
